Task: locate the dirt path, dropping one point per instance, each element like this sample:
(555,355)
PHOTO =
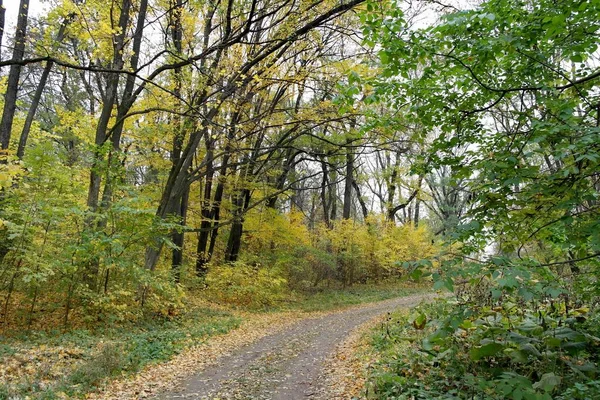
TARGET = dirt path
(284,365)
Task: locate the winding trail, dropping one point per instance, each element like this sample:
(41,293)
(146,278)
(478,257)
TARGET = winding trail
(286,365)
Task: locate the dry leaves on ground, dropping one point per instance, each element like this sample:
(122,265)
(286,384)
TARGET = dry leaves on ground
(159,377)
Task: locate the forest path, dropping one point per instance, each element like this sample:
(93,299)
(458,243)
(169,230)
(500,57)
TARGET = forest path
(289,364)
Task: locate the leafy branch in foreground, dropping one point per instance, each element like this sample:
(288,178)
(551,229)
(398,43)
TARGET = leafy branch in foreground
(514,84)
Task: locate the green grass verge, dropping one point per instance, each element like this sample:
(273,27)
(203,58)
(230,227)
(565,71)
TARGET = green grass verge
(92,357)
(331,299)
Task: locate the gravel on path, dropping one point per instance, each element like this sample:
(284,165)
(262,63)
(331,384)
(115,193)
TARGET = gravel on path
(286,365)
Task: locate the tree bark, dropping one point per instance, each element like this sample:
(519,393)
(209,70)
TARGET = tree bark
(39,91)
(206,210)
(12,88)
(107,108)
(363,205)
(348,182)
(234,243)
(2,23)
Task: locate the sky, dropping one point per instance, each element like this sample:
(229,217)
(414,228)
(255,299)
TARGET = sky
(36,7)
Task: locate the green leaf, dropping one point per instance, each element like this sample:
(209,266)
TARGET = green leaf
(487,350)
(548,382)
(577,58)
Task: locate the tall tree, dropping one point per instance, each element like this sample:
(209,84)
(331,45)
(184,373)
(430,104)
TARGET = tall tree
(12,87)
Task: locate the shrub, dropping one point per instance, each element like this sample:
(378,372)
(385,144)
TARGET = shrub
(245,285)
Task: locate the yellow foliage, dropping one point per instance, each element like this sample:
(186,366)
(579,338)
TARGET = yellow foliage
(268,229)
(245,285)
(10,169)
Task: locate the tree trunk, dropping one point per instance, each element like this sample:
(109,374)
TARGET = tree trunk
(234,242)
(288,166)
(206,210)
(39,91)
(2,22)
(178,237)
(107,108)
(12,88)
(124,105)
(363,205)
(391,214)
(348,182)
(324,187)
(417,212)
(333,195)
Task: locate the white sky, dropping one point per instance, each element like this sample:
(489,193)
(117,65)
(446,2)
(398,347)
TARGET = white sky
(12,6)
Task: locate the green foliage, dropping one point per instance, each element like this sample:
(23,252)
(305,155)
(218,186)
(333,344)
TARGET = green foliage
(510,94)
(498,353)
(100,355)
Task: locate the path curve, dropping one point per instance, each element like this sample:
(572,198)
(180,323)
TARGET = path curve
(287,365)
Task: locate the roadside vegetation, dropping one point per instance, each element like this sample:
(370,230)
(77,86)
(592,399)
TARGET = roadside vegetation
(54,364)
(515,108)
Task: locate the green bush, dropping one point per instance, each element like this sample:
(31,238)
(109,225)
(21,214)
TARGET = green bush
(505,350)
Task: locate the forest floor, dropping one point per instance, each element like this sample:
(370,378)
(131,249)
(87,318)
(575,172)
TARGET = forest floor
(283,358)
(295,351)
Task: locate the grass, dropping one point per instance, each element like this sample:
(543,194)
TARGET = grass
(332,299)
(54,365)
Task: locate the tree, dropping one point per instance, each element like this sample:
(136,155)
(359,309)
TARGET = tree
(12,88)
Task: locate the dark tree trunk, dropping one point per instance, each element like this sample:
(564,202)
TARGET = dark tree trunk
(2,22)
(391,214)
(39,91)
(288,166)
(127,100)
(217,206)
(110,96)
(417,212)
(234,243)
(348,183)
(12,88)
(363,205)
(324,187)
(178,237)
(206,211)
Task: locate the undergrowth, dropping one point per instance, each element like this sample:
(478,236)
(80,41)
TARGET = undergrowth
(51,365)
(448,351)
(54,365)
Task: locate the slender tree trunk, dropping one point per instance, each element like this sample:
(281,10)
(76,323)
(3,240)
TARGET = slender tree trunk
(107,108)
(12,88)
(176,184)
(217,205)
(417,212)
(348,182)
(324,187)
(206,210)
(179,236)
(288,166)
(363,205)
(90,274)
(332,193)
(124,105)
(39,91)
(204,254)
(234,242)
(2,22)
(391,214)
